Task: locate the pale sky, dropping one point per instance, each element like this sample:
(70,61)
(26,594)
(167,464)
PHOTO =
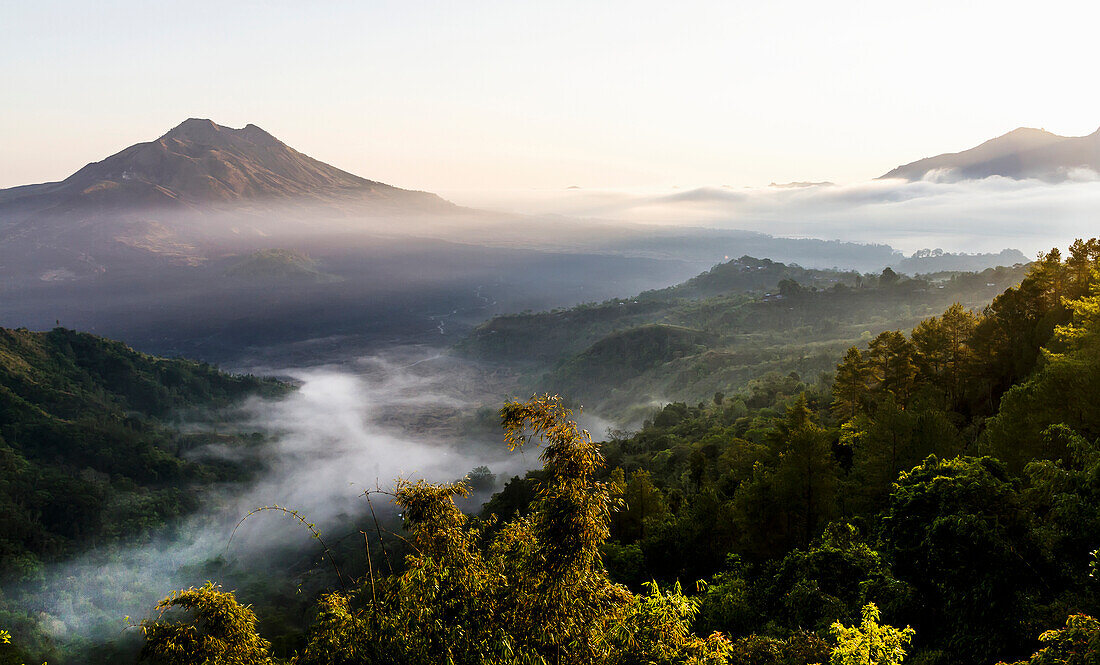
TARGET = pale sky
(448,96)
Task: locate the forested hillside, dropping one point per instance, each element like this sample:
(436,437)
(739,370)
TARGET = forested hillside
(946,480)
(718,331)
(88,451)
(948,475)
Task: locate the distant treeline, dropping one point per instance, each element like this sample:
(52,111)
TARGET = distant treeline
(717,331)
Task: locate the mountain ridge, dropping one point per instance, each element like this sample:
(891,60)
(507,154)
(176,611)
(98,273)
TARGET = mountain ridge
(199,162)
(1025,152)
(180,197)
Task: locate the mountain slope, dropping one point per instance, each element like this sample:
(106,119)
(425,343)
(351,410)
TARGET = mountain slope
(1022,153)
(715,332)
(86,454)
(199,163)
(181,198)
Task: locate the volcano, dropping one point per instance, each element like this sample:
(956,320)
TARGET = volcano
(182,196)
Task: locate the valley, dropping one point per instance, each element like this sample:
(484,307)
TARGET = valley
(754,412)
(157,246)
(364,410)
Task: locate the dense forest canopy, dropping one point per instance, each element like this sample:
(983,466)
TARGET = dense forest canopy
(935,499)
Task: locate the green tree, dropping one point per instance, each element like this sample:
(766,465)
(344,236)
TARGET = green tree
(1083,259)
(1086,314)
(827,582)
(956,530)
(943,354)
(890,360)
(789,501)
(789,288)
(1078,643)
(806,474)
(532,590)
(870,643)
(1063,495)
(888,277)
(216,630)
(1063,391)
(644,506)
(1015,326)
(892,441)
(850,385)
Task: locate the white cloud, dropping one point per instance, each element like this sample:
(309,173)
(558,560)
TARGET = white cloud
(939,211)
(333,438)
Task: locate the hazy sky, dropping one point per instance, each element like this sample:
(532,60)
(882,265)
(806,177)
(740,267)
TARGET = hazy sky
(517,95)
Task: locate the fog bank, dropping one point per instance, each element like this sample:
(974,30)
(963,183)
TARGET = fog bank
(346,429)
(970,216)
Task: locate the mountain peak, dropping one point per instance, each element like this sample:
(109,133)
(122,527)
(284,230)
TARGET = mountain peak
(200,162)
(207,132)
(1026,131)
(1025,152)
(194,128)
(257,135)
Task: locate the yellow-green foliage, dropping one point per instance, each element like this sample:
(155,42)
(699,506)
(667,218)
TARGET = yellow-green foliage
(216,631)
(1076,644)
(533,590)
(5,638)
(656,629)
(869,643)
(1086,314)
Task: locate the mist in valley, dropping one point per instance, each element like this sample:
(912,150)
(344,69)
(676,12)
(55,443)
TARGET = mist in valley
(263,264)
(248,284)
(360,304)
(348,428)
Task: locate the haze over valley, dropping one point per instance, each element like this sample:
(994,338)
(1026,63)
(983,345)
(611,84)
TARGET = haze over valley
(583,334)
(392,311)
(210,241)
(1030,185)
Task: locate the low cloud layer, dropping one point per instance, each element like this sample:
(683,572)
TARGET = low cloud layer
(970,216)
(345,430)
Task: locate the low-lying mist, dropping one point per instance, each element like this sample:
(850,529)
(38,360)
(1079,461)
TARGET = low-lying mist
(367,291)
(984,215)
(346,429)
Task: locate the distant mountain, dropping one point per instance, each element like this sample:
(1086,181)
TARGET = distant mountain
(180,197)
(799,184)
(200,163)
(1021,153)
(927,261)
